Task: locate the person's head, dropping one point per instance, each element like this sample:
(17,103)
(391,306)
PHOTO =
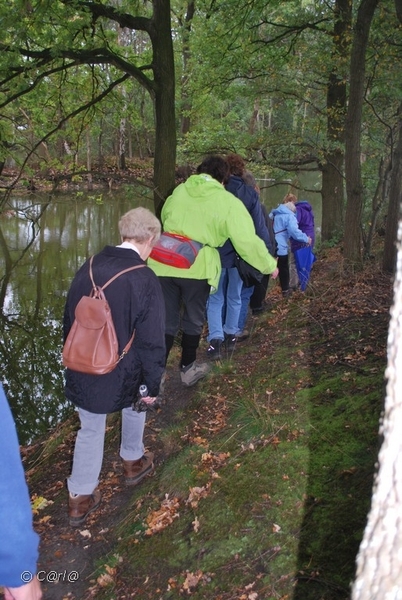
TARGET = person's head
(290,205)
(215,166)
(289,198)
(236,164)
(140,226)
(250,180)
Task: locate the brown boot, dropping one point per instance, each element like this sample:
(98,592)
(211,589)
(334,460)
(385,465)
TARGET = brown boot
(80,506)
(135,470)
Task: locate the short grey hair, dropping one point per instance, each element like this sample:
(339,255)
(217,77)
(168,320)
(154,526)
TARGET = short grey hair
(139,224)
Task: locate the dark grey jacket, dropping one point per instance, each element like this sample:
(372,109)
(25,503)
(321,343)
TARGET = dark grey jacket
(136,301)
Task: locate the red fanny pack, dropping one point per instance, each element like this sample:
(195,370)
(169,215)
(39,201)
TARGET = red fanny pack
(175,250)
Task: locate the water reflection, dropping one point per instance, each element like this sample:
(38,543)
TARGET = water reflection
(43,241)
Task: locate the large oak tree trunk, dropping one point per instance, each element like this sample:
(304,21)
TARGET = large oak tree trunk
(165,138)
(354,184)
(379,571)
(332,169)
(395,200)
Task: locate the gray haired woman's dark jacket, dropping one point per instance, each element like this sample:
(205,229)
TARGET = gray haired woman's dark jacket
(136,301)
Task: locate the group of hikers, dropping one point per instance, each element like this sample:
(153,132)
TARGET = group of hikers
(215,214)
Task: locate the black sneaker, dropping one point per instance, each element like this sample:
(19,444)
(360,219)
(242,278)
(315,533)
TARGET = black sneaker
(265,306)
(230,341)
(214,349)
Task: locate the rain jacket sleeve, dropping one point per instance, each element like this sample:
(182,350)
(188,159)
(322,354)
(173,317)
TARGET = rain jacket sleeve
(248,245)
(294,231)
(19,542)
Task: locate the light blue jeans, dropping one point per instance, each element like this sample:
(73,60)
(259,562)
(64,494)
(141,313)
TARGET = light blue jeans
(227,295)
(246,294)
(88,451)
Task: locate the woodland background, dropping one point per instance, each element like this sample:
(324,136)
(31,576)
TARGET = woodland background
(306,84)
(104,87)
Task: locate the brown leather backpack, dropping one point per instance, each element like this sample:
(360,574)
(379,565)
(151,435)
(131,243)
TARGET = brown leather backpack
(91,346)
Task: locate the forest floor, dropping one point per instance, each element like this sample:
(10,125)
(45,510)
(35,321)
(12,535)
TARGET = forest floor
(264,469)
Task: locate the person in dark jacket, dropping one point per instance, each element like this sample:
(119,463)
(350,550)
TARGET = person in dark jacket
(227,299)
(136,302)
(254,297)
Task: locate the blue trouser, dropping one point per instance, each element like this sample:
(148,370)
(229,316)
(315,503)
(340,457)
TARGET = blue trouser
(228,294)
(246,294)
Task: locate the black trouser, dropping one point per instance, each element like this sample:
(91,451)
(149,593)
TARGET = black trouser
(283,266)
(185,304)
(259,293)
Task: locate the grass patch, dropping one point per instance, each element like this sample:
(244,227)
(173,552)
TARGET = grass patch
(288,485)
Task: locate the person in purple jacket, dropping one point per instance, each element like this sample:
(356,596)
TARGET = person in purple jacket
(19,542)
(305,221)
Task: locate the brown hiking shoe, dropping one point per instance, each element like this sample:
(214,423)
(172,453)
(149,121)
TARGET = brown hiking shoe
(135,470)
(80,506)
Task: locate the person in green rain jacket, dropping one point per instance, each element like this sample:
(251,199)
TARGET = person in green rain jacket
(201,209)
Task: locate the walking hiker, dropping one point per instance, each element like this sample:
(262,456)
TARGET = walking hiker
(136,303)
(203,211)
(227,300)
(254,297)
(285,227)
(305,221)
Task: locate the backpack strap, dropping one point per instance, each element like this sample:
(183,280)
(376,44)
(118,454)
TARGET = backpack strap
(130,341)
(114,276)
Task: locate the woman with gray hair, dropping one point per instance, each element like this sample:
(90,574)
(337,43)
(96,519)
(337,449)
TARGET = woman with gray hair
(136,302)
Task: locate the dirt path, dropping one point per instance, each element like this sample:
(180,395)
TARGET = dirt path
(67,555)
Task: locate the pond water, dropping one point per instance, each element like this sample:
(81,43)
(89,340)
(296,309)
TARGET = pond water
(44,239)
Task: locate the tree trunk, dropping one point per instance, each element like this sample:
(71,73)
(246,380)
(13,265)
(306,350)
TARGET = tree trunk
(395,200)
(122,144)
(332,170)
(185,98)
(165,137)
(89,160)
(354,184)
(379,572)
(332,196)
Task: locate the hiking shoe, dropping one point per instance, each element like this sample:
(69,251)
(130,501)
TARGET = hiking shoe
(135,470)
(214,349)
(230,341)
(242,335)
(261,309)
(194,372)
(287,293)
(80,506)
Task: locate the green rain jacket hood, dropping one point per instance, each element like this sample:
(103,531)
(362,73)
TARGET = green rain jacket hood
(201,209)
